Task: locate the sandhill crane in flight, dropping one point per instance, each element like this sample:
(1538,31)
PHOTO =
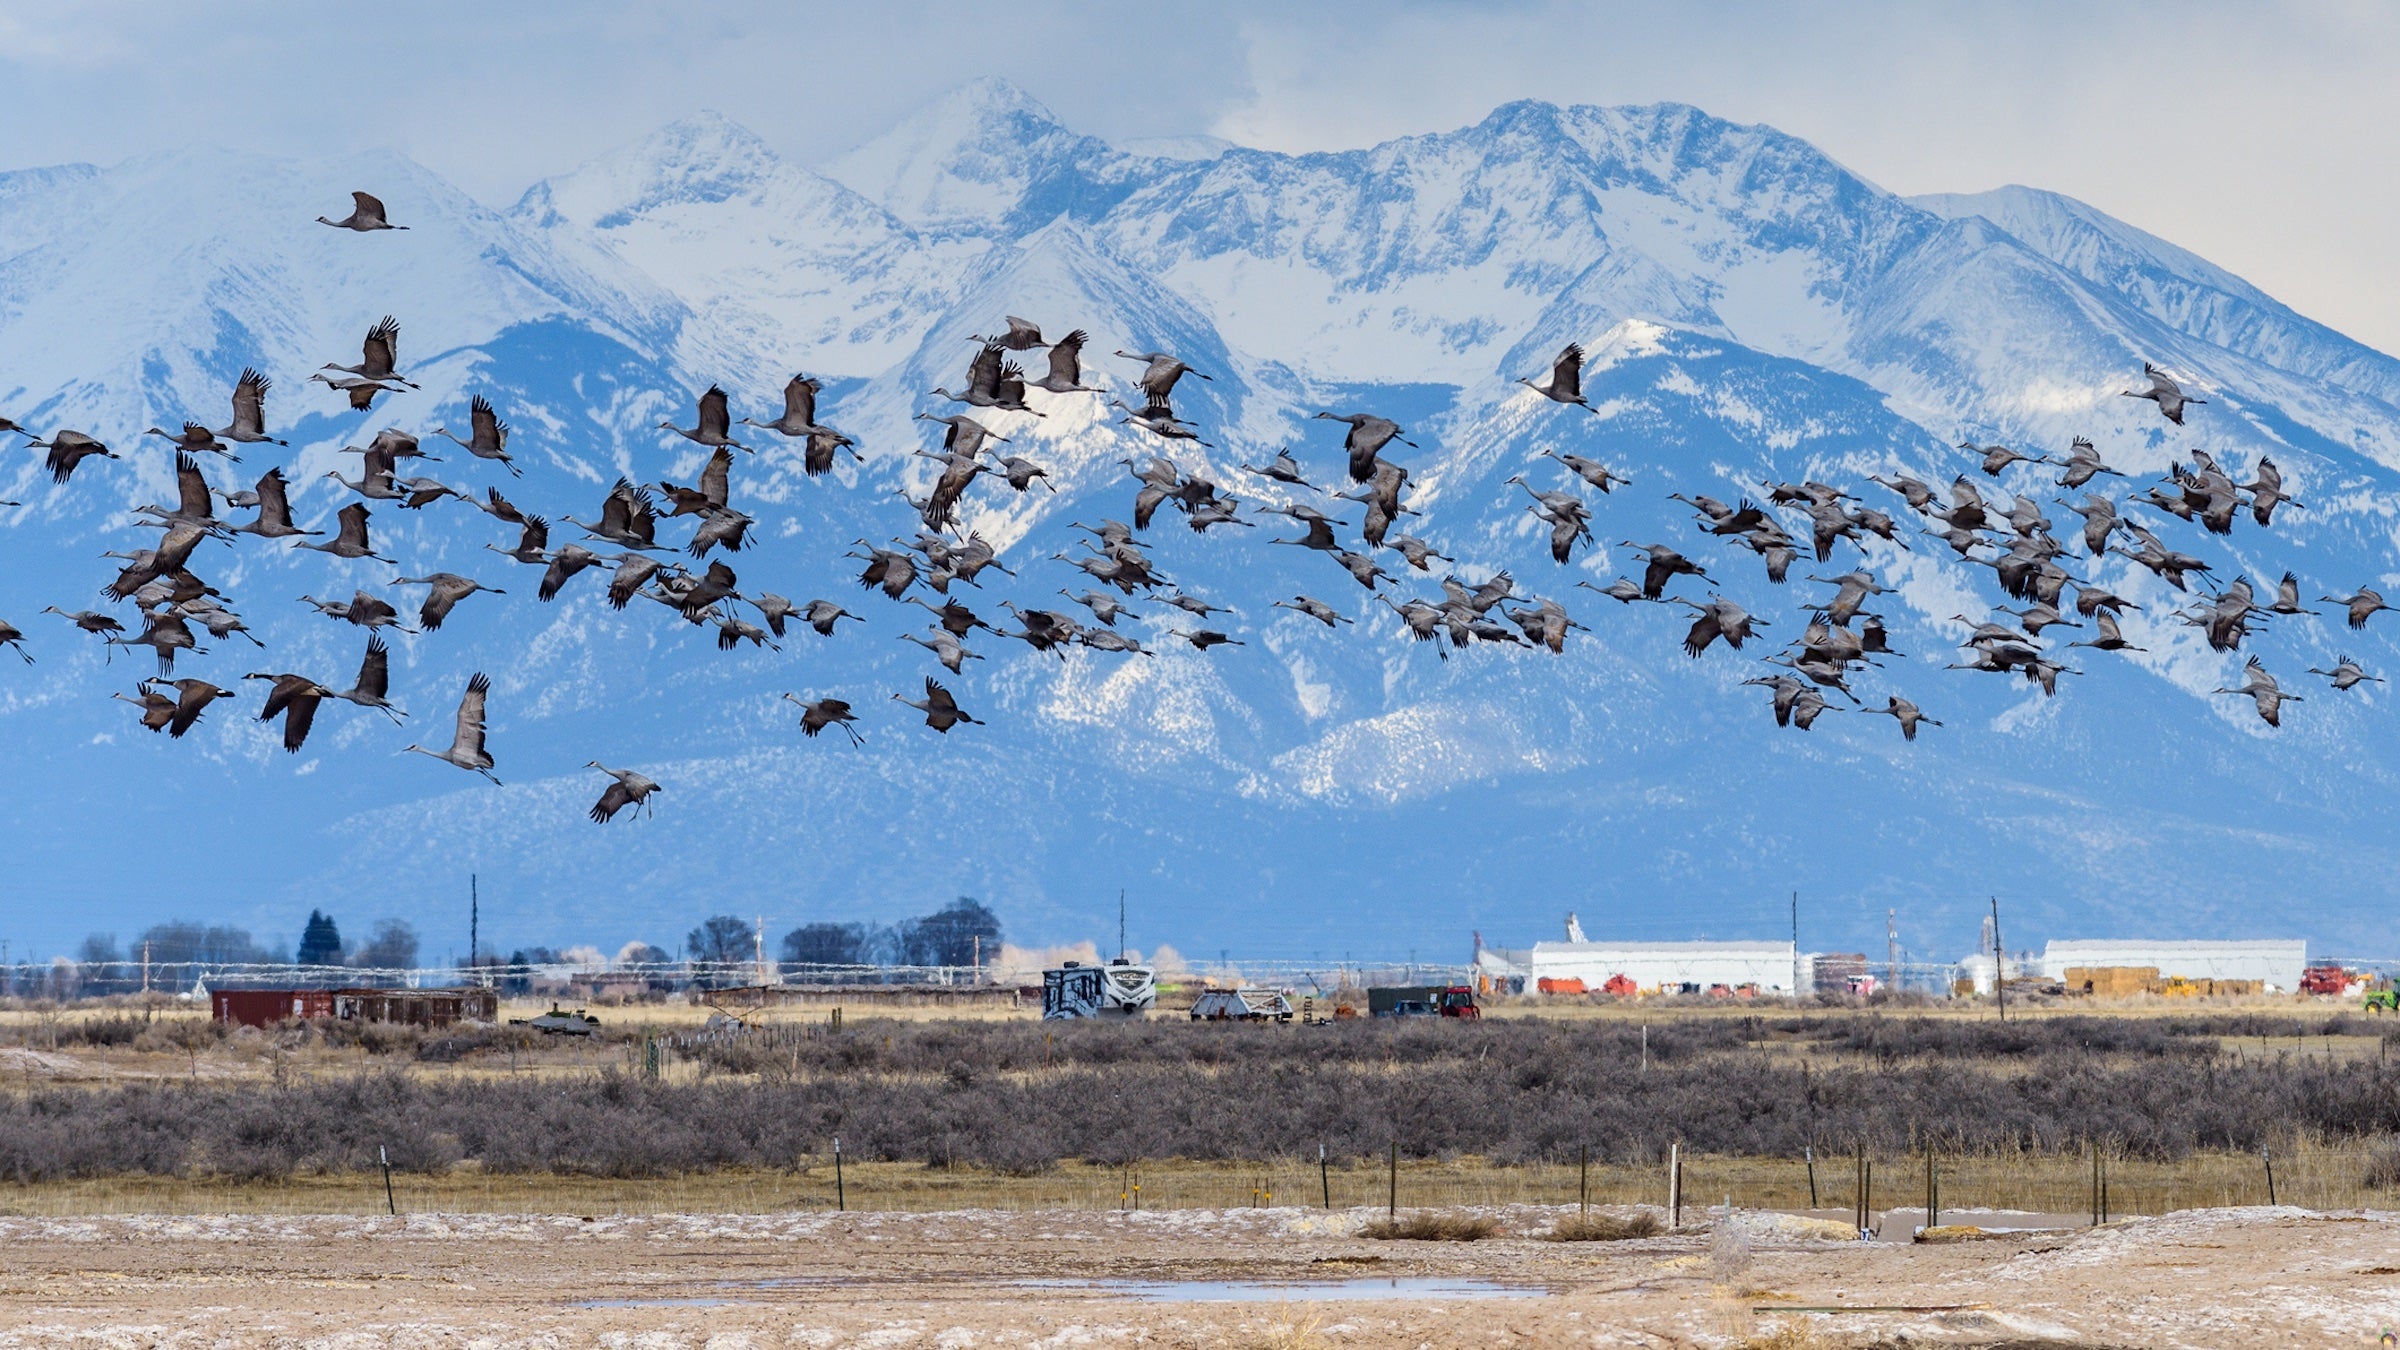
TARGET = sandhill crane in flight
(1591,471)
(1316,609)
(993,381)
(2362,606)
(157,708)
(366,215)
(1065,375)
(799,409)
(1205,638)
(2163,391)
(1624,589)
(295,697)
(374,681)
(2266,493)
(939,706)
(716,422)
(11,636)
(466,748)
(1365,440)
(68,449)
(487,434)
(1719,618)
(1998,457)
(1282,469)
(2345,674)
(822,615)
(1158,418)
(1023,335)
(379,355)
(2082,464)
(2260,687)
(192,698)
(273,499)
(351,541)
(362,392)
(1665,564)
(828,712)
(1565,384)
(250,410)
(1157,381)
(448,589)
(194,439)
(2111,639)
(945,647)
(1907,714)
(630,789)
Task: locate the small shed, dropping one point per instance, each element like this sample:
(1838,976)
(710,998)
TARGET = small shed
(1242,1005)
(408,1007)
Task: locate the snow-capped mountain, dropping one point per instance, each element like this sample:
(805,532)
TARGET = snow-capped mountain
(1754,312)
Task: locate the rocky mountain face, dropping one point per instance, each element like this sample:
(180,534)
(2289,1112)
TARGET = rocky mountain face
(1754,312)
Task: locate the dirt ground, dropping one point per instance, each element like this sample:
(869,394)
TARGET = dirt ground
(2247,1277)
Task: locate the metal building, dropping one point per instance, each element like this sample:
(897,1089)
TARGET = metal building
(2274,963)
(414,1007)
(1669,967)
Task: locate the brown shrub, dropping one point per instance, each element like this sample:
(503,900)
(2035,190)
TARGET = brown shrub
(1427,1225)
(1607,1227)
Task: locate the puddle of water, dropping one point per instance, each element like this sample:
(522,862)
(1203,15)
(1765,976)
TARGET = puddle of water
(1298,1291)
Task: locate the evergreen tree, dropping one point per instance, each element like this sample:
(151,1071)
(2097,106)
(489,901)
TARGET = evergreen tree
(320,942)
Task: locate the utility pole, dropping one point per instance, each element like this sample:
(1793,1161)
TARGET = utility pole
(1120,922)
(1891,949)
(474,928)
(1999,963)
(1795,945)
(758,949)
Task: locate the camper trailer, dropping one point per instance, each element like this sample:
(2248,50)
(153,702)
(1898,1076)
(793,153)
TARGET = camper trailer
(1119,988)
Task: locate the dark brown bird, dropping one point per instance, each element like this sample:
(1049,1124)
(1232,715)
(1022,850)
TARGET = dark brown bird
(366,215)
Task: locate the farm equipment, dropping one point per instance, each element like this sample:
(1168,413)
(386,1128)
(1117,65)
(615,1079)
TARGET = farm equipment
(2325,980)
(1454,1000)
(2381,1000)
(1242,1005)
(558,1022)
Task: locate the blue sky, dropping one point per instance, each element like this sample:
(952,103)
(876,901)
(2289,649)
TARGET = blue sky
(2237,130)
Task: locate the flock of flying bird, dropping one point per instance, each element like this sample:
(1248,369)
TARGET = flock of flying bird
(1840,633)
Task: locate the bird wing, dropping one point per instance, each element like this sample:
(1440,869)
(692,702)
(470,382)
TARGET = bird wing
(300,713)
(193,499)
(616,798)
(469,741)
(714,484)
(800,401)
(1066,358)
(943,704)
(367,204)
(437,607)
(983,373)
(375,671)
(381,349)
(250,403)
(715,420)
(354,524)
(490,432)
(1566,373)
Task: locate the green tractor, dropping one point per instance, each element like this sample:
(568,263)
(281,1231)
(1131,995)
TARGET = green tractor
(2382,1000)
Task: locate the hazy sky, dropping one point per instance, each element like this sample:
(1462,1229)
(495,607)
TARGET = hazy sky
(2256,134)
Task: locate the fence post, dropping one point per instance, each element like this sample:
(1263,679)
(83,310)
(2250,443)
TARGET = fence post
(1325,1176)
(1583,1178)
(390,1204)
(1810,1153)
(1675,1185)
(841,1202)
(2269,1159)
(1392,1203)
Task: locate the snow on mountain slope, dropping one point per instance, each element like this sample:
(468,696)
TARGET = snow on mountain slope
(987,157)
(780,266)
(2175,286)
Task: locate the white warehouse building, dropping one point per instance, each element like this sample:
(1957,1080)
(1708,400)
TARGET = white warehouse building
(1671,965)
(2275,963)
